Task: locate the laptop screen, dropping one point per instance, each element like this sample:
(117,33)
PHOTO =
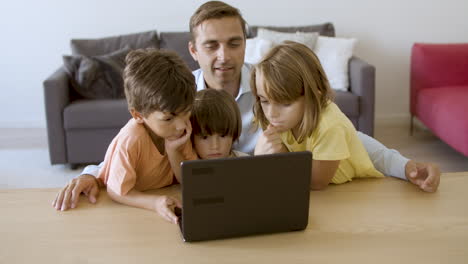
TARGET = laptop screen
(245,195)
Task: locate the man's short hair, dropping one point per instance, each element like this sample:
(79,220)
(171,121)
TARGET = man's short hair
(158,80)
(214,10)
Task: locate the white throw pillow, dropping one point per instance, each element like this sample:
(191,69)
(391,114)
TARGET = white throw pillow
(255,48)
(334,55)
(306,38)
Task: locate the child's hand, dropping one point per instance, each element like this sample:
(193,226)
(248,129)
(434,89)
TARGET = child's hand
(164,206)
(173,145)
(69,195)
(269,142)
(425,175)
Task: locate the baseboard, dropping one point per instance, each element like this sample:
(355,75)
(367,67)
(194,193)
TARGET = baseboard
(397,119)
(400,120)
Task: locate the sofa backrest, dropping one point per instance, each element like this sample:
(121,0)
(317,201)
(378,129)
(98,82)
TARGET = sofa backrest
(102,46)
(435,65)
(175,41)
(325,29)
(438,64)
(178,42)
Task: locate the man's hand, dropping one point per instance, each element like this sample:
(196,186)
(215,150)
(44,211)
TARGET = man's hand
(165,206)
(68,197)
(270,142)
(173,145)
(424,175)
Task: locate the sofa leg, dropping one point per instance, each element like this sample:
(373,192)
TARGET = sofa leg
(411,125)
(74,166)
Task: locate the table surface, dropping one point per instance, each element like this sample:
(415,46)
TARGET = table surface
(365,221)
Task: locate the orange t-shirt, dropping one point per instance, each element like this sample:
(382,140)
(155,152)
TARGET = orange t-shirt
(132,161)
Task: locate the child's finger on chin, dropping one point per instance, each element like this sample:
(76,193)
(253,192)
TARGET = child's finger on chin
(270,130)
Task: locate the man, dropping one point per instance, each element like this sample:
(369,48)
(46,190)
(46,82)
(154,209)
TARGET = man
(218,45)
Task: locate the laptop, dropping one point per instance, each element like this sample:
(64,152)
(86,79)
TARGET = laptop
(242,196)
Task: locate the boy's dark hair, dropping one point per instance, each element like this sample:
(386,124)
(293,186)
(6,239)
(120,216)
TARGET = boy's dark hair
(214,10)
(157,80)
(215,112)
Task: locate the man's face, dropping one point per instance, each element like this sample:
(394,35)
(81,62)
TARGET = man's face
(219,49)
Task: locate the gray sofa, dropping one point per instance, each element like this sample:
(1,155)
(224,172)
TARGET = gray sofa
(79,130)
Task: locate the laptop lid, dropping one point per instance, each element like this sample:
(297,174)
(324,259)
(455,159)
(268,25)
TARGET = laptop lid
(241,196)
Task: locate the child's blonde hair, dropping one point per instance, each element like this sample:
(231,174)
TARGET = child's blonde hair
(157,80)
(215,112)
(289,71)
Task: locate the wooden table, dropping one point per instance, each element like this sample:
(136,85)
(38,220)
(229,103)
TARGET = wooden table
(366,221)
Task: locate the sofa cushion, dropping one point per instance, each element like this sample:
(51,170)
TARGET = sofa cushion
(306,38)
(87,114)
(100,46)
(444,111)
(255,49)
(348,103)
(178,42)
(97,77)
(334,55)
(325,29)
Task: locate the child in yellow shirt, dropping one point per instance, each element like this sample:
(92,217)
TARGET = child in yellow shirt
(294,105)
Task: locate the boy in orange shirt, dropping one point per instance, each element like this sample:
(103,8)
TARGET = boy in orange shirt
(147,152)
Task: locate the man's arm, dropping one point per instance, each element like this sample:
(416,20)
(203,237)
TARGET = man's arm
(388,161)
(391,163)
(87,183)
(92,169)
(68,196)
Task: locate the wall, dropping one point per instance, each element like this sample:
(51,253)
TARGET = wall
(35,34)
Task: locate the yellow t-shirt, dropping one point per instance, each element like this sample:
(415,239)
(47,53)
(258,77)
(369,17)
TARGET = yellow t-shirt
(335,138)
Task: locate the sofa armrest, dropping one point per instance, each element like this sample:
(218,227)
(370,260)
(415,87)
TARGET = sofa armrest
(56,98)
(362,83)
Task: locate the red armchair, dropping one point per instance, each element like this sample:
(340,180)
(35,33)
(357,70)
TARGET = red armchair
(439,91)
